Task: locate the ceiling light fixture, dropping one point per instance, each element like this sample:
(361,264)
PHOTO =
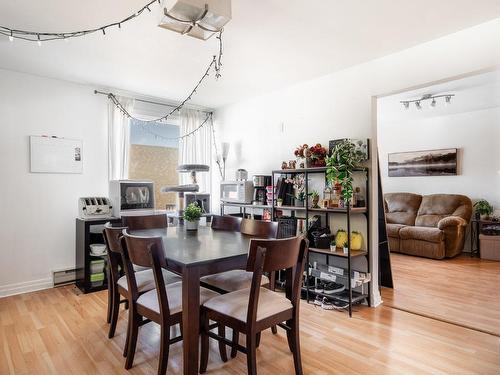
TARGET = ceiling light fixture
(197,18)
(427,97)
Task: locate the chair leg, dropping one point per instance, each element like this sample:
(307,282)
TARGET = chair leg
(257,340)
(164,348)
(221,330)
(251,354)
(132,339)
(295,341)
(110,298)
(274,330)
(236,339)
(205,347)
(127,339)
(115,310)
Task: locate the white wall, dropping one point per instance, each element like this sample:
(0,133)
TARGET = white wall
(477,136)
(37,225)
(342,105)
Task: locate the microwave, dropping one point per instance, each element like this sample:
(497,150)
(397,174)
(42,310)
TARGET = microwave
(132,196)
(236,191)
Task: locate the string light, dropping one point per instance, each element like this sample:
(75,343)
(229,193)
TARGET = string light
(39,37)
(216,64)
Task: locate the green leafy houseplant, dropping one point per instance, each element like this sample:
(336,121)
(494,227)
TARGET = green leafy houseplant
(483,208)
(341,164)
(192,215)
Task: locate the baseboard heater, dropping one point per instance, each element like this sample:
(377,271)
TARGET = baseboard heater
(64,277)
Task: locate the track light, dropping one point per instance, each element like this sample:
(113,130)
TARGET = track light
(424,98)
(39,41)
(11,36)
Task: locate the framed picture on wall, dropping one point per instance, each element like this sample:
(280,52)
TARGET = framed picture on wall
(424,163)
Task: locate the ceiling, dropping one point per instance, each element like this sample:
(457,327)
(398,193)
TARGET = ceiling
(474,93)
(268,44)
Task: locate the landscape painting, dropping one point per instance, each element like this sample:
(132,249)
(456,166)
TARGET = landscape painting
(423,163)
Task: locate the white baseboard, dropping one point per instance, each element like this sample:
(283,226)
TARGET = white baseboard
(25,287)
(376,299)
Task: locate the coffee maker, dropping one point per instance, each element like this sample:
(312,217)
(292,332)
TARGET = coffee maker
(259,194)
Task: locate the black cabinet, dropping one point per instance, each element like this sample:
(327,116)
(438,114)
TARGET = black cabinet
(88,231)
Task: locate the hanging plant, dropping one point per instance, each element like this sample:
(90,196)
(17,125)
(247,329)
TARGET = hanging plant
(340,166)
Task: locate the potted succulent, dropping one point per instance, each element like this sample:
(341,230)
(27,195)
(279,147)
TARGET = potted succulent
(279,202)
(483,209)
(315,198)
(340,167)
(192,215)
(333,246)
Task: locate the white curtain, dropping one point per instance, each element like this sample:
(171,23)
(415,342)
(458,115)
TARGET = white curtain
(197,148)
(118,139)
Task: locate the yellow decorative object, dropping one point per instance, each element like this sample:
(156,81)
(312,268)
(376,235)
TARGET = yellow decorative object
(340,238)
(356,240)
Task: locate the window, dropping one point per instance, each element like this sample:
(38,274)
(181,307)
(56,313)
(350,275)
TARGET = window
(154,158)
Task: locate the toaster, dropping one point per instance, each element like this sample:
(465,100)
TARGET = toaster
(95,207)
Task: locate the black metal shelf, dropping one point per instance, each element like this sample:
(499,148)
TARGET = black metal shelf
(350,296)
(342,296)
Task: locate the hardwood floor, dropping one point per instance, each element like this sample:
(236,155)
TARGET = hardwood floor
(58,332)
(461,290)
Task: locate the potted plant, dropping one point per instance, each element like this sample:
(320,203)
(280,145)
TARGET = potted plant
(300,199)
(483,209)
(192,215)
(315,198)
(333,246)
(279,202)
(340,167)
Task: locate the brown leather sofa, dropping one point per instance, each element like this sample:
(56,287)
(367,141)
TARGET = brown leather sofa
(431,226)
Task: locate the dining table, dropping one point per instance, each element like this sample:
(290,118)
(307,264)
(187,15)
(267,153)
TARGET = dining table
(194,254)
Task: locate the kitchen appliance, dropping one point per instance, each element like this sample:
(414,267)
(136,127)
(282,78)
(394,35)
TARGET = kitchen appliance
(236,191)
(260,182)
(132,196)
(241,175)
(94,207)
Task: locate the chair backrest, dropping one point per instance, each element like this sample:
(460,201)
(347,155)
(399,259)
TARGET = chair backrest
(229,223)
(146,252)
(259,228)
(156,221)
(112,237)
(273,255)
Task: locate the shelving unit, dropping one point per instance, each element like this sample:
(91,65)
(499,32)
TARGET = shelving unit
(89,231)
(349,296)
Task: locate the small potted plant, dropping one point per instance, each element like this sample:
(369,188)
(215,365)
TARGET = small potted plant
(279,202)
(483,209)
(192,215)
(333,246)
(315,198)
(345,248)
(300,199)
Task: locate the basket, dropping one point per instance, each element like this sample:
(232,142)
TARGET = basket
(287,227)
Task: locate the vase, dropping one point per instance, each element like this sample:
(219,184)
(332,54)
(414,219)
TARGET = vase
(192,225)
(299,203)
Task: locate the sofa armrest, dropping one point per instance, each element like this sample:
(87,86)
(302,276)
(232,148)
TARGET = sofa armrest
(451,221)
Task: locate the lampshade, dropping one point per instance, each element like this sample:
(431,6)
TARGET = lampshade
(196,18)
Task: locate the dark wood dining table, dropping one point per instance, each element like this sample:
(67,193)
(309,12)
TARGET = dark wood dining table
(194,255)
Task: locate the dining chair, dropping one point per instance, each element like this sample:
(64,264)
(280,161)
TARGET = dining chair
(118,284)
(230,281)
(255,309)
(162,305)
(139,222)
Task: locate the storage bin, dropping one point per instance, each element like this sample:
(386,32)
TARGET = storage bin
(97,266)
(96,279)
(489,247)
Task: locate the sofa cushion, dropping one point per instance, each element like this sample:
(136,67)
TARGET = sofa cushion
(401,208)
(393,229)
(421,234)
(438,206)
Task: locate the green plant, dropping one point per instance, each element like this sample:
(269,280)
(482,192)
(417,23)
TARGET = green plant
(314,194)
(341,164)
(482,207)
(192,212)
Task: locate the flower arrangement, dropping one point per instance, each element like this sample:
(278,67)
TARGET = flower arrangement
(301,151)
(317,155)
(299,186)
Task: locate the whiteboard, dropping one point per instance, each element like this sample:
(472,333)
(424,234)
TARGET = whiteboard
(55,155)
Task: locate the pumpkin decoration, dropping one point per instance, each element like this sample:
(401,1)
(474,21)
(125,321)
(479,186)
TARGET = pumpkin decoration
(356,239)
(340,238)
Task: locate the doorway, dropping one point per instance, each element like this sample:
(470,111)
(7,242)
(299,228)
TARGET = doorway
(439,153)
